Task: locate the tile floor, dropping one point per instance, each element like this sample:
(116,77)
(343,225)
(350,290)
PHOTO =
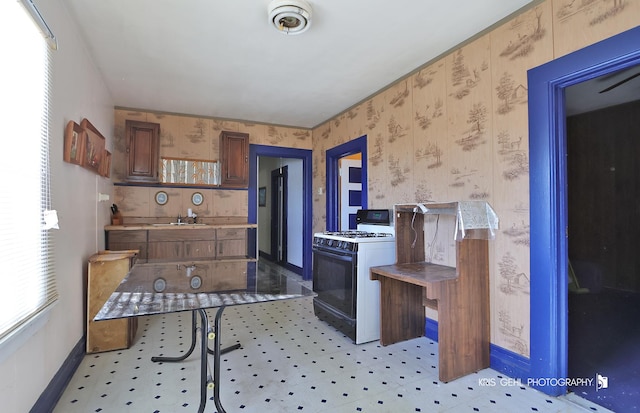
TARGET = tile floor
(289,362)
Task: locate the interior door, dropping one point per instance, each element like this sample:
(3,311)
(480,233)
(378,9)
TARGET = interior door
(279,214)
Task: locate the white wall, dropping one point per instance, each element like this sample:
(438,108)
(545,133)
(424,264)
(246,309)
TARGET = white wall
(295,212)
(78,91)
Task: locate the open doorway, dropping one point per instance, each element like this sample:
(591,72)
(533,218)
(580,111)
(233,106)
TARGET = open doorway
(548,197)
(350,183)
(298,216)
(346,169)
(603,194)
(280,211)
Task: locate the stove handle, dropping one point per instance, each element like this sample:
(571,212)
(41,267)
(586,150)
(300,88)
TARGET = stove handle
(335,253)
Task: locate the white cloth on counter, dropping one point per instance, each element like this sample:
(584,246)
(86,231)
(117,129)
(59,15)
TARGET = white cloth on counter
(475,215)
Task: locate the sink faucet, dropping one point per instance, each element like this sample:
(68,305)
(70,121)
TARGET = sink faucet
(179,219)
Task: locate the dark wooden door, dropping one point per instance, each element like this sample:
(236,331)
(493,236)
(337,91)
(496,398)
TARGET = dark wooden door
(279,213)
(143,151)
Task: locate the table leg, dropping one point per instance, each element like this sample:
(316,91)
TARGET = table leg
(204,351)
(188,353)
(216,364)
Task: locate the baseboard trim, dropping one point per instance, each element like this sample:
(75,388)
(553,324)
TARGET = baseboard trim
(502,360)
(510,363)
(431,329)
(266,256)
(293,268)
(50,396)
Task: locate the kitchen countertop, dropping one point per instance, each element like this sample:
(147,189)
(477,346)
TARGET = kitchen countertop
(167,226)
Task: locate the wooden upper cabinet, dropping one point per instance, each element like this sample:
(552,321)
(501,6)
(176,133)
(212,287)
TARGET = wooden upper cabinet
(234,158)
(143,151)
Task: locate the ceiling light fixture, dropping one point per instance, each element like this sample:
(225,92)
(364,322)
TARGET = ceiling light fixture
(290,16)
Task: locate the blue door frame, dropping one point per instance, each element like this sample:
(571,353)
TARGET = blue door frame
(548,197)
(307,202)
(333,155)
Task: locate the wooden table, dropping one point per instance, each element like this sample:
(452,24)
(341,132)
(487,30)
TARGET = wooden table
(461,296)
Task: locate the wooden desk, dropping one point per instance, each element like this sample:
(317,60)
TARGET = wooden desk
(461,296)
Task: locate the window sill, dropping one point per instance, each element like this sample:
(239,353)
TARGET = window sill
(13,342)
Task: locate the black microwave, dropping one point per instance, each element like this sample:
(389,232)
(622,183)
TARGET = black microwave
(373,216)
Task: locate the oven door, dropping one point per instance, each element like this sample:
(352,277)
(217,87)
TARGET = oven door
(334,279)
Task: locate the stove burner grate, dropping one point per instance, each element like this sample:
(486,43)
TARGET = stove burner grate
(358,234)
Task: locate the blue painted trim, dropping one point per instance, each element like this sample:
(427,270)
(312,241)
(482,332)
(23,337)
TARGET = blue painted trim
(307,194)
(293,268)
(50,396)
(502,360)
(509,363)
(252,274)
(358,145)
(431,329)
(548,198)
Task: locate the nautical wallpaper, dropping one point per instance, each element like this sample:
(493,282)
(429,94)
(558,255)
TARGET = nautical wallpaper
(457,129)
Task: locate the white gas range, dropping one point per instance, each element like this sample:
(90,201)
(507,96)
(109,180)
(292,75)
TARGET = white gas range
(346,297)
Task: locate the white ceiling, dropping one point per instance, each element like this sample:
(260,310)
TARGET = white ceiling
(221,58)
(623,85)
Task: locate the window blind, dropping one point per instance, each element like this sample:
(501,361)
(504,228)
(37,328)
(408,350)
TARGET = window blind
(26,255)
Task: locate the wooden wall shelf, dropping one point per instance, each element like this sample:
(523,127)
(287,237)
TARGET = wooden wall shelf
(189,186)
(84,145)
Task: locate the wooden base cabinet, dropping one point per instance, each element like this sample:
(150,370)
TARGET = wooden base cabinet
(128,240)
(181,244)
(106,270)
(231,243)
